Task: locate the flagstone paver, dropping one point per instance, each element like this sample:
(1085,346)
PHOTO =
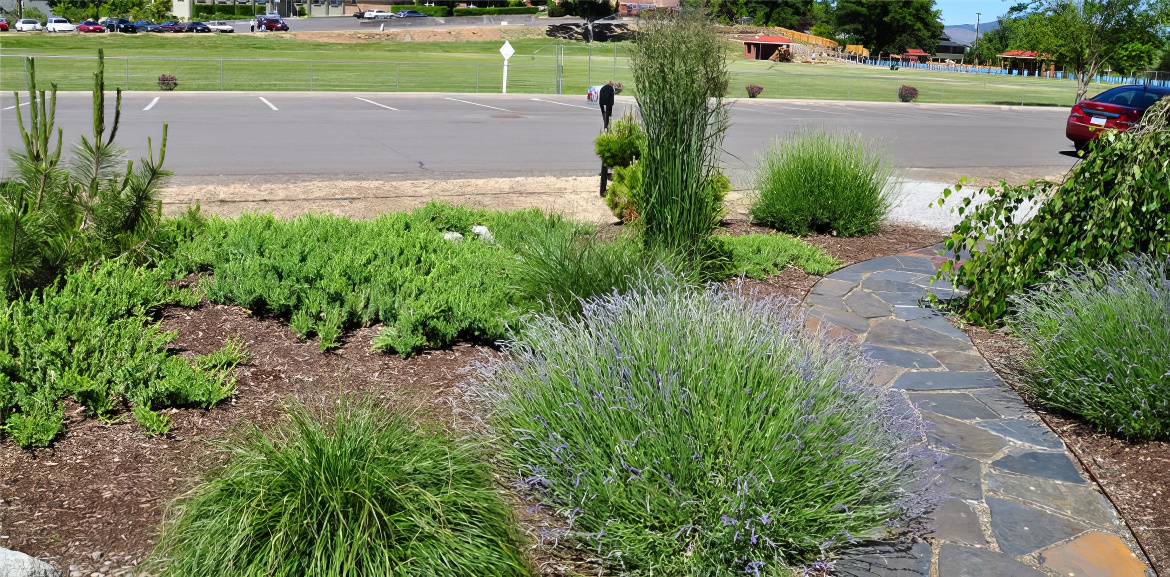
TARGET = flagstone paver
(1010,499)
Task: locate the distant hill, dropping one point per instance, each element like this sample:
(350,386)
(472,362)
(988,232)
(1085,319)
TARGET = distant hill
(965,33)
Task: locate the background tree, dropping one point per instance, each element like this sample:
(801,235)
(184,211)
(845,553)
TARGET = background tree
(1089,36)
(889,26)
(796,14)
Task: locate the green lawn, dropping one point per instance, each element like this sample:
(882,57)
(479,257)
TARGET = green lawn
(277,62)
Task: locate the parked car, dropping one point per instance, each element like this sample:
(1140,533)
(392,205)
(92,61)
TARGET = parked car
(55,24)
(142,25)
(170,26)
(221,26)
(409,14)
(271,24)
(1115,109)
(377,14)
(90,26)
(28,25)
(120,25)
(359,14)
(197,27)
(3,25)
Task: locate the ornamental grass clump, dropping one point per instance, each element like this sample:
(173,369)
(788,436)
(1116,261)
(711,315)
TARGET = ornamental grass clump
(1098,345)
(701,433)
(361,493)
(824,182)
(679,65)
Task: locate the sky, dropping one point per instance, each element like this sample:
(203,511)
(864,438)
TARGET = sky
(956,12)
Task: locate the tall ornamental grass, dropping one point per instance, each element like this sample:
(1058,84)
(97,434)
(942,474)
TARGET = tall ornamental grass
(680,67)
(362,494)
(824,182)
(1098,345)
(701,433)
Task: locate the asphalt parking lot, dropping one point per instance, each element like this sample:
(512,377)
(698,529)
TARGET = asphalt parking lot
(461,135)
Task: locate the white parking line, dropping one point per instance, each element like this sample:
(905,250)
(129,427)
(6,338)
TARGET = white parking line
(563,104)
(152,103)
(14,106)
(478,104)
(265,101)
(376,104)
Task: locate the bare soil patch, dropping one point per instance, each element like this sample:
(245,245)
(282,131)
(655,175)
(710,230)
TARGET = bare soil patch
(469,34)
(1133,475)
(92,501)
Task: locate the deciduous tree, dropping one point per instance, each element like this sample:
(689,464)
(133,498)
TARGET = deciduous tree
(889,26)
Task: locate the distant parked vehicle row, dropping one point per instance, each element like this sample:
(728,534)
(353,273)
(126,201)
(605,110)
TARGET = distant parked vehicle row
(124,25)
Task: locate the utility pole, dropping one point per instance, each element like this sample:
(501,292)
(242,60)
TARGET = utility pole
(976,49)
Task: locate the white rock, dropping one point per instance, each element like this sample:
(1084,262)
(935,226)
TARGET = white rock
(452,236)
(483,233)
(17,564)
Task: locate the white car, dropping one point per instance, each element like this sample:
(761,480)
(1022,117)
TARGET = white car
(27,25)
(377,14)
(220,26)
(59,25)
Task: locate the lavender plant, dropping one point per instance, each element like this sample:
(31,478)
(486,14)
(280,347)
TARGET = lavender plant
(701,433)
(1096,343)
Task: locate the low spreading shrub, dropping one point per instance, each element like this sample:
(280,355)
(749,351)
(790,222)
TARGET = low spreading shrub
(754,90)
(1114,203)
(760,256)
(558,267)
(327,274)
(167,82)
(1097,345)
(907,93)
(701,433)
(621,195)
(94,337)
(822,182)
(363,493)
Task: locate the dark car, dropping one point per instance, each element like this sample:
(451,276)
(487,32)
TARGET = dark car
(359,14)
(121,25)
(169,26)
(1116,109)
(144,25)
(271,24)
(197,27)
(409,14)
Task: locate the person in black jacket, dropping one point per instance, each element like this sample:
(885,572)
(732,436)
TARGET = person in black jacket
(605,99)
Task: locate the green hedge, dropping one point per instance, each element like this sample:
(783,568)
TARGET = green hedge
(439,11)
(496,11)
(205,12)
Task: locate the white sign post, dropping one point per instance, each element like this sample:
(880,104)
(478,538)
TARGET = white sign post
(506,51)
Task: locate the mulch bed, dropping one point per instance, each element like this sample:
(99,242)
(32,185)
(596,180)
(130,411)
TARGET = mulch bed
(1133,475)
(92,501)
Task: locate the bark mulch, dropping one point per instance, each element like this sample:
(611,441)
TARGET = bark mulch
(92,501)
(1133,475)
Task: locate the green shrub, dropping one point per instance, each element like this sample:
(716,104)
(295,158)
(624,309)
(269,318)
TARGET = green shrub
(328,274)
(93,337)
(760,256)
(364,493)
(558,268)
(691,433)
(1114,202)
(621,194)
(821,182)
(622,144)
(679,63)
(496,11)
(438,11)
(1096,343)
(56,217)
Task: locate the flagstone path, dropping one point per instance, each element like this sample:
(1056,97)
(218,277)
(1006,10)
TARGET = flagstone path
(1012,502)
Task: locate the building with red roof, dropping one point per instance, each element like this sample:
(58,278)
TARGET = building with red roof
(915,54)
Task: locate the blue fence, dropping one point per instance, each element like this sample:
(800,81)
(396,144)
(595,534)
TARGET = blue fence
(993,71)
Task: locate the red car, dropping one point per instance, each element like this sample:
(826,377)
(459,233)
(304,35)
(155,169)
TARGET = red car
(270,24)
(90,26)
(3,25)
(1117,108)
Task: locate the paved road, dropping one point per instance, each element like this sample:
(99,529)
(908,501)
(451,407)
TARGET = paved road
(407,136)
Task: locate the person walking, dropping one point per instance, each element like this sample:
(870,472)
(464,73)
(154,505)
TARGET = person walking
(605,100)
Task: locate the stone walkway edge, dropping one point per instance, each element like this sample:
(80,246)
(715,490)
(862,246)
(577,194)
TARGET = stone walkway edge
(1011,501)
